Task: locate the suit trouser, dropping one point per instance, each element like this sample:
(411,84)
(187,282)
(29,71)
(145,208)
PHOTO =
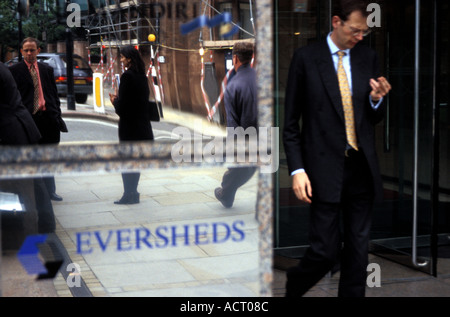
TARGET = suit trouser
(328,245)
(234,178)
(50,184)
(46,216)
(50,135)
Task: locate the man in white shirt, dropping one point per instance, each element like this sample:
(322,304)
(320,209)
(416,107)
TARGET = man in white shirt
(335,88)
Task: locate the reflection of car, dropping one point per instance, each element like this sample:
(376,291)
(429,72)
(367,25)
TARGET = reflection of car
(11,62)
(82,73)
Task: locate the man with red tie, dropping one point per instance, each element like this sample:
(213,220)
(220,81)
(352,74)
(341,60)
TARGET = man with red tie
(36,84)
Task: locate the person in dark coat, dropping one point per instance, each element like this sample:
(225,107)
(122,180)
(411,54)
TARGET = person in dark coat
(132,106)
(40,97)
(16,124)
(17,127)
(240,100)
(335,88)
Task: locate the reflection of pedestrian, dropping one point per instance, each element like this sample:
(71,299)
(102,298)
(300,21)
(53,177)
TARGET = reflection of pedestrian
(131,105)
(16,124)
(331,159)
(17,127)
(37,87)
(241,109)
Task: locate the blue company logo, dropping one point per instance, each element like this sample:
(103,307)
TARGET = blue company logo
(28,254)
(161,237)
(203,21)
(34,249)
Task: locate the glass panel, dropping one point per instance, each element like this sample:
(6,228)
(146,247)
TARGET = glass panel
(177,241)
(394,41)
(247,16)
(298,24)
(443,112)
(393,222)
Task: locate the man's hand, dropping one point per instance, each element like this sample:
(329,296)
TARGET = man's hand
(302,187)
(380,88)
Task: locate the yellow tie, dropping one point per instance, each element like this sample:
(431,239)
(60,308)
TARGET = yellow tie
(34,76)
(346,96)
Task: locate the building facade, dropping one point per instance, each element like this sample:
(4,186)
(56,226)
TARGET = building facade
(184,62)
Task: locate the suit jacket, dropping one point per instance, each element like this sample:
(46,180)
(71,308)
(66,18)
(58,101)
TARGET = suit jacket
(313,95)
(24,83)
(240,98)
(17,127)
(132,107)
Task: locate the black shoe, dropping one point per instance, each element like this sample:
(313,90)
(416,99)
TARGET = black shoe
(218,192)
(55,197)
(128,199)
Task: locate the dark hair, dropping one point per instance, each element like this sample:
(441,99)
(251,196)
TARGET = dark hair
(30,39)
(137,64)
(343,8)
(244,51)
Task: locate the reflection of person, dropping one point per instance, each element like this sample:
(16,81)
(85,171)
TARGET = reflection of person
(329,173)
(37,87)
(17,127)
(16,124)
(240,100)
(131,104)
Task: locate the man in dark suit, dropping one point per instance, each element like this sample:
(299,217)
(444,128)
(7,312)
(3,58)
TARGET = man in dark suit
(332,158)
(17,127)
(240,100)
(37,87)
(16,124)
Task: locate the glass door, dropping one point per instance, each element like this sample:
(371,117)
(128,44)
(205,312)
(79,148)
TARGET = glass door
(297,23)
(410,226)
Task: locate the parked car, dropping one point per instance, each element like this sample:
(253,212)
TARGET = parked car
(82,73)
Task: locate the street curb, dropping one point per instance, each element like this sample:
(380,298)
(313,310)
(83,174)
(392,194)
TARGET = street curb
(90,115)
(191,121)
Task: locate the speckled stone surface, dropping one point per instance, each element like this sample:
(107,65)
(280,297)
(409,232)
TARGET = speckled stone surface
(264,69)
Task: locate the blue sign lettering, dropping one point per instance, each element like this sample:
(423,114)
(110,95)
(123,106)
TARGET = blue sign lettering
(144,239)
(164,236)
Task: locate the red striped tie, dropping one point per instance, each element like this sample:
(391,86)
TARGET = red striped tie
(34,76)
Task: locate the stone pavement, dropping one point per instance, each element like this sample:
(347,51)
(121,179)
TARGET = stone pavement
(114,262)
(396,281)
(178,241)
(195,247)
